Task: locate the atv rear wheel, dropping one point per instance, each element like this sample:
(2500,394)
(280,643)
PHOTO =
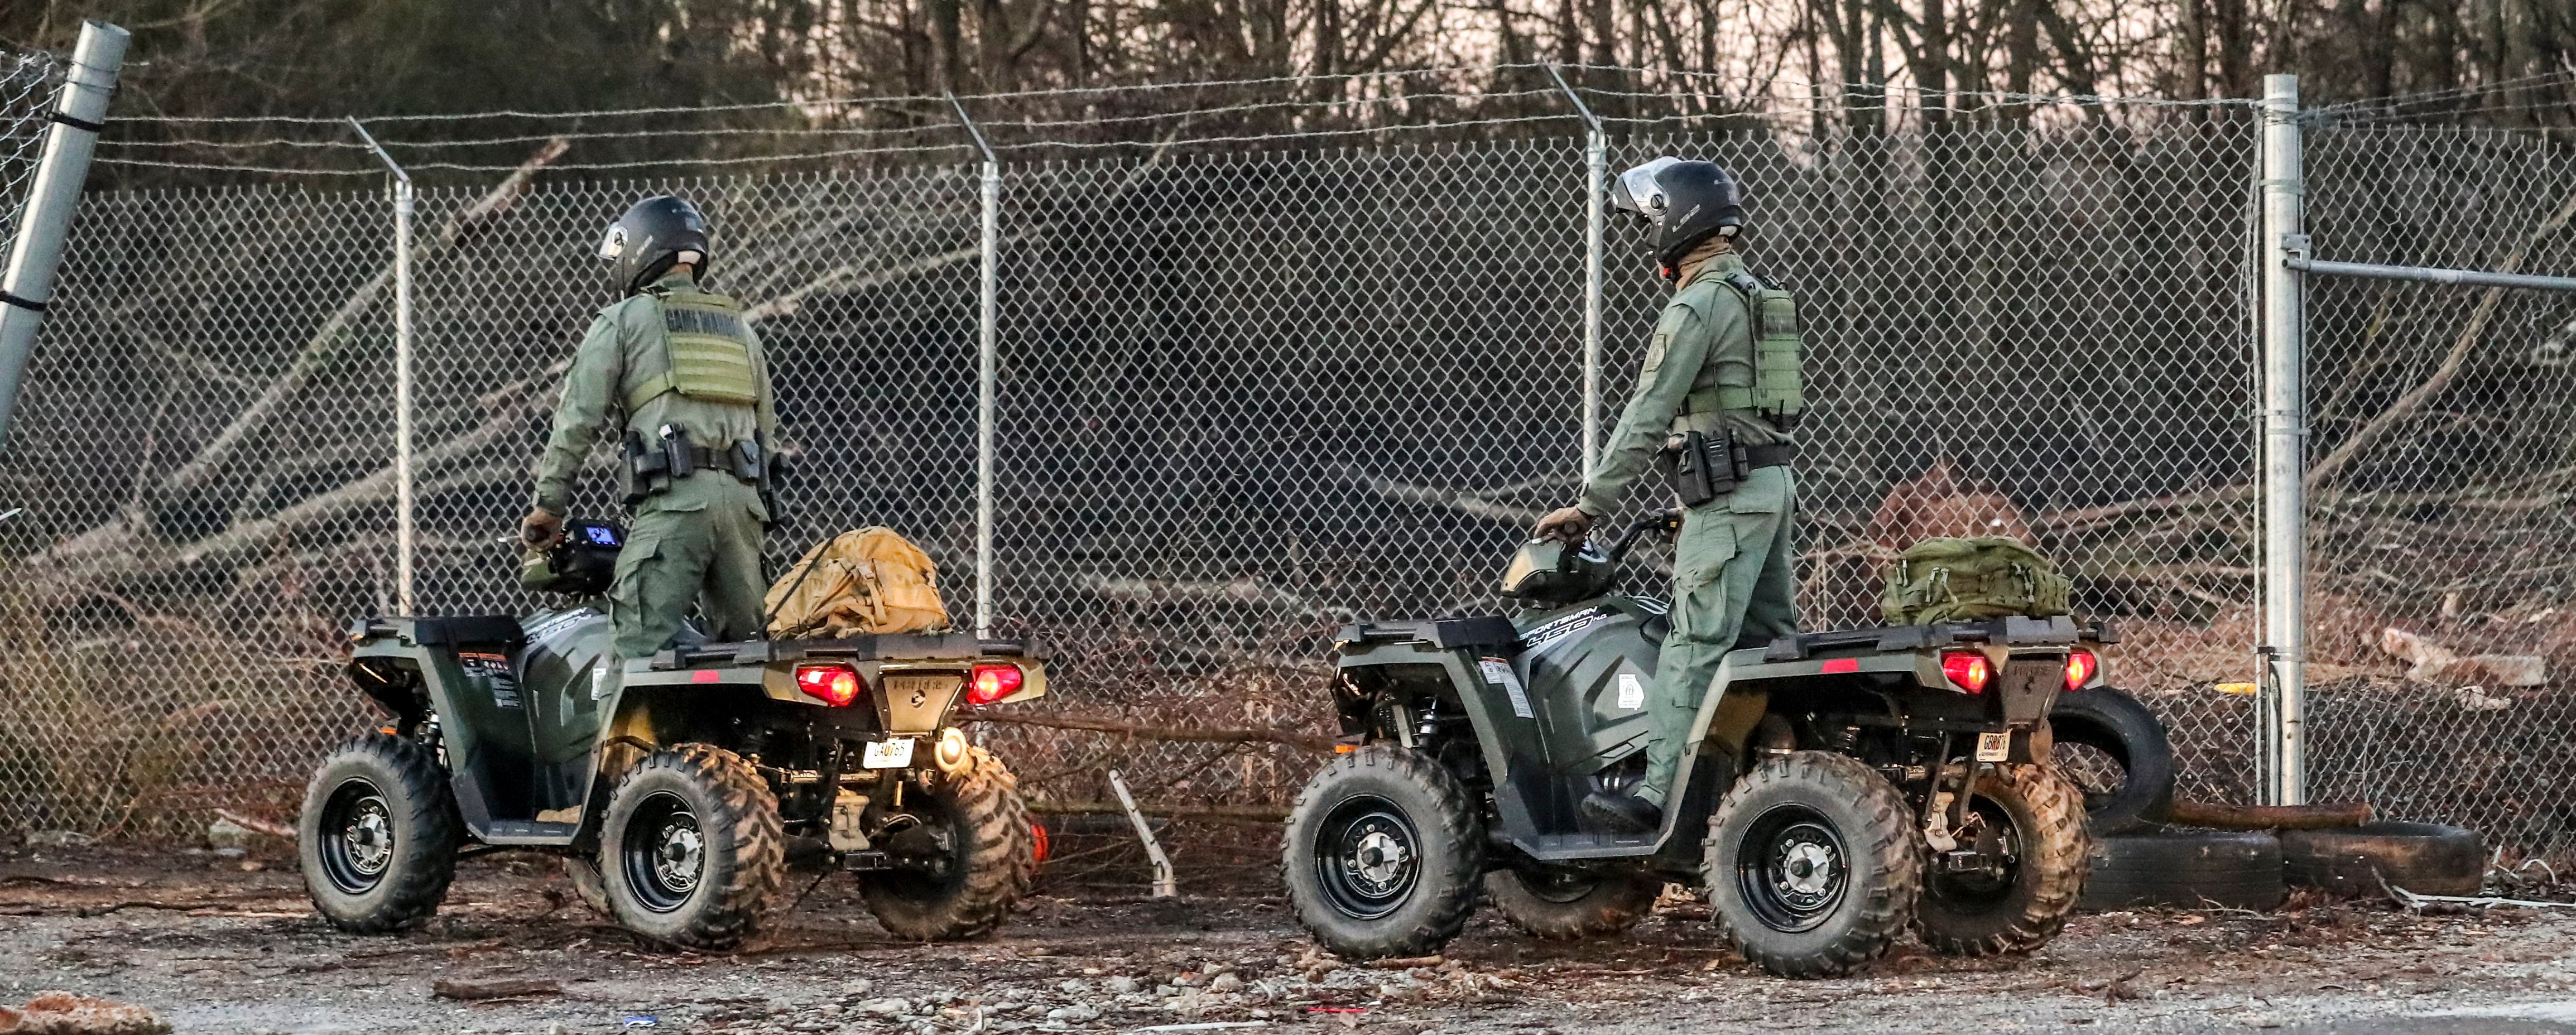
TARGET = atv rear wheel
(1382,855)
(2032,854)
(1811,865)
(378,836)
(974,851)
(587,884)
(1561,905)
(690,851)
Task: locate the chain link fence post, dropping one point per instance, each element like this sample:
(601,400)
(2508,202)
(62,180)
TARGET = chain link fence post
(79,113)
(2281,691)
(987,369)
(406,528)
(1596,161)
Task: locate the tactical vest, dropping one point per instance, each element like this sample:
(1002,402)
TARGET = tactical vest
(1773,387)
(706,352)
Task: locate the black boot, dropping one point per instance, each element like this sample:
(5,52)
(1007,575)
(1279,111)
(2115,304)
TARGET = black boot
(1622,813)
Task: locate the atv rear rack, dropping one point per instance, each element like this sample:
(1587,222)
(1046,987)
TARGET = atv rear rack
(2007,631)
(875,647)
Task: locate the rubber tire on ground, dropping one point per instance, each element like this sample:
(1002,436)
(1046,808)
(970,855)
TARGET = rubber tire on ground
(1613,903)
(2114,723)
(2193,869)
(2048,814)
(422,818)
(587,884)
(1451,853)
(995,859)
(2425,858)
(1884,864)
(741,859)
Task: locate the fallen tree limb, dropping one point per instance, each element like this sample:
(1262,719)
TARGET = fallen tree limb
(256,825)
(1210,813)
(1180,734)
(512,988)
(2269,817)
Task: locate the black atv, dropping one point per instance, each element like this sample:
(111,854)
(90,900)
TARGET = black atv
(1896,778)
(674,787)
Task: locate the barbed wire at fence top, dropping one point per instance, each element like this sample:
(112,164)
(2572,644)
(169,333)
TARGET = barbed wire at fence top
(1383,104)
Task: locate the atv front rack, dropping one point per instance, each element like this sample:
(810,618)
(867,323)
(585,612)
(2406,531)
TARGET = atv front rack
(956,646)
(2007,631)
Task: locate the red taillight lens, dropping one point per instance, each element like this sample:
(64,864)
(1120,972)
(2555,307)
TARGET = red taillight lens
(2080,666)
(835,685)
(993,682)
(1968,670)
(1038,841)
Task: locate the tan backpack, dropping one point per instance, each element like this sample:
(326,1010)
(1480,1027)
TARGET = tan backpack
(867,581)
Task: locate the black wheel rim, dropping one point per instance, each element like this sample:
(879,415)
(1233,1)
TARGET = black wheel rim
(357,837)
(1368,857)
(1995,868)
(1792,868)
(664,852)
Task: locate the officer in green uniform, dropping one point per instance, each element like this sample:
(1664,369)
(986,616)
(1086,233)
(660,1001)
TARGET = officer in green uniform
(676,370)
(1719,394)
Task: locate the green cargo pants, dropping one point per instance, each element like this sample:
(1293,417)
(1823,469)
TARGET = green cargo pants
(1734,583)
(698,543)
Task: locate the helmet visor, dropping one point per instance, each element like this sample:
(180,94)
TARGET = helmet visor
(1637,190)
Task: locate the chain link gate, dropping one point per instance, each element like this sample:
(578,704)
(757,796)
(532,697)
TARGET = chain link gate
(2441,466)
(1243,397)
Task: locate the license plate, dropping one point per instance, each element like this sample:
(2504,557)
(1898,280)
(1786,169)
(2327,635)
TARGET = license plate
(1991,747)
(888,754)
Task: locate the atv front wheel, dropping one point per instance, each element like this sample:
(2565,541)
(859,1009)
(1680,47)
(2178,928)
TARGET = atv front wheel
(2018,870)
(972,852)
(1561,905)
(690,853)
(378,835)
(1382,855)
(1811,865)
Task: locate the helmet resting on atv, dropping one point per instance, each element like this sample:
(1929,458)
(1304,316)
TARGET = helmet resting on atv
(646,242)
(583,563)
(1687,201)
(1548,573)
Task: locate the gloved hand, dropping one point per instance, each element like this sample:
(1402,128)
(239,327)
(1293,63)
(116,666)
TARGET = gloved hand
(541,528)
(1565,524)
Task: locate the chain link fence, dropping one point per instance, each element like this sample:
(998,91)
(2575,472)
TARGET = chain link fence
(2441,464)
(1248,394)
(27,85)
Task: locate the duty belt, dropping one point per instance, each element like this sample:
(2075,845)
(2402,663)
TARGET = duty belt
(1774,454)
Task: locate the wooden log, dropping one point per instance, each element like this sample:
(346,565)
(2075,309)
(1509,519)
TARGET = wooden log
(2269,817)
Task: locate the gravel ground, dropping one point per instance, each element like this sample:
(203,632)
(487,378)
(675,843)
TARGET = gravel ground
(229,945)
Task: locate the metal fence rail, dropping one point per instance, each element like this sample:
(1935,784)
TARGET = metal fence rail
(1243,395)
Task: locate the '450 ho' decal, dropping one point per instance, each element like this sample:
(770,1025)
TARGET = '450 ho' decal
(1562,627)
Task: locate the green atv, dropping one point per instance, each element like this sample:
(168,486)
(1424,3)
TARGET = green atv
(675,788)
(1894,778)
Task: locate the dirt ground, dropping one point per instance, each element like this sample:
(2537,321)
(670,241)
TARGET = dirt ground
(222,944)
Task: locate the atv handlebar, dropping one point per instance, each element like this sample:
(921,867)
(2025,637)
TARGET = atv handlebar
(1663,521)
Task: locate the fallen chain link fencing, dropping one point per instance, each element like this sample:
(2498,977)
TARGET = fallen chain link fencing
(1248,394)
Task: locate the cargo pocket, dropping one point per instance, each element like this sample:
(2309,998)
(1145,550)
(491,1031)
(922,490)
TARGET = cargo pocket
(640,549)
(1700,558)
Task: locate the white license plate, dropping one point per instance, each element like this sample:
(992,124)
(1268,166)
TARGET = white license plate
(1991,747)
(888,754)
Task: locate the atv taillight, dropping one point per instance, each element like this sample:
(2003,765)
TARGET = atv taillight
(991,683)
(2080,666)
(835,685)
(1967,670)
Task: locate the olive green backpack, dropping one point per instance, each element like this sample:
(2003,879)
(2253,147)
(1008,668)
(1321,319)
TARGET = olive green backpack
(1941,580)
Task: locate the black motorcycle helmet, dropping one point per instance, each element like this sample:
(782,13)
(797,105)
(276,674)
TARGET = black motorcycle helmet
(1687,201)
(647,241)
